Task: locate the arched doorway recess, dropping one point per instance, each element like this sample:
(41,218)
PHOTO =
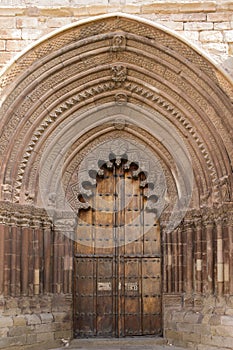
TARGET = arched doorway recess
(116,76)
(118,251)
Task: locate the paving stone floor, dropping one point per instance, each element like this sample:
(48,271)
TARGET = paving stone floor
(135,343)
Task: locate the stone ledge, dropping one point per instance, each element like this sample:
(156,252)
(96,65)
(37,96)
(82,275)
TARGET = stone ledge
(148,8)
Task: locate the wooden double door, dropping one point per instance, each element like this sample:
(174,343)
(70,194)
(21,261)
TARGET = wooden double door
(117,289)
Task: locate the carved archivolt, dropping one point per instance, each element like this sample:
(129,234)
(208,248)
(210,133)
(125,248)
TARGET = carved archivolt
(121,62)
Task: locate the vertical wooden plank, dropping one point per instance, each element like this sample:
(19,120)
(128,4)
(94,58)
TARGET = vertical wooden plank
(2,245)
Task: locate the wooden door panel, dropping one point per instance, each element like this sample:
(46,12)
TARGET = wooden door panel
(118,265)
(132,325)
(105,307)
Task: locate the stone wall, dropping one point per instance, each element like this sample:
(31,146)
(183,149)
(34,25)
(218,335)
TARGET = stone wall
(207,24)
(199,322)
(36,322)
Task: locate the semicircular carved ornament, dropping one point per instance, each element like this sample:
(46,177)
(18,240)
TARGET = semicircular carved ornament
(120,152)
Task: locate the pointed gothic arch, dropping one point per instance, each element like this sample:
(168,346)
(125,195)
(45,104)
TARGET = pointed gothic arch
(63,96)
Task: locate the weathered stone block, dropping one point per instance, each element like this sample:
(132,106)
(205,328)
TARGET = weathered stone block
(230,299)
(172,335)
(58,22)
(6,321)
(17,331)
(229,312)
(188,17)
(61,316)
(206,319)
(8,22)
(27,22)
(198,26)
(96,10)
(217,341)
(31,34)
(45,328)
(215,320)
(222,26)
(219,16)
(46,317)
(10,341)
(63,334)
(4,332)
(172,25)
(31,338)
(228,36)
(191,337)
(178,316)
(33,319)
(213,36)
(193,317)
(15,45)
(45,337)
(2,45)
(227,320)
(206,347)
(10,33)
(201,328)
(185,327)
(19,321)
(60,303)
(131,8)
(223,331)
(216,48)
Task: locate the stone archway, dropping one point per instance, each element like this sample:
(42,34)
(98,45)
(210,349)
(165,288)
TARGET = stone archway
(65,94)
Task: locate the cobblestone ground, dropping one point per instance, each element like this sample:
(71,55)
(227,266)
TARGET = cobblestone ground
(120,344)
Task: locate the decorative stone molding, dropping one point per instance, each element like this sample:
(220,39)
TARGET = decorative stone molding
(177,81)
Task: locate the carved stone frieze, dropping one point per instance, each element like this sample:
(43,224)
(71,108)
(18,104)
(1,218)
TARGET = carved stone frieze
(23,215)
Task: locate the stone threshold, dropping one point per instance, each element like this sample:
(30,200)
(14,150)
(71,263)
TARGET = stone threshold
(133,343)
